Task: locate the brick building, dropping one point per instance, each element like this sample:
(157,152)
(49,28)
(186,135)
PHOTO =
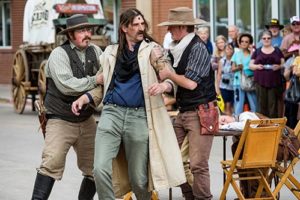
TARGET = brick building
(12,43)
(15,8)
(249,15)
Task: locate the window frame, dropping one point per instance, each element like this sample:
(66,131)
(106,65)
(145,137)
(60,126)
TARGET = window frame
(5,44)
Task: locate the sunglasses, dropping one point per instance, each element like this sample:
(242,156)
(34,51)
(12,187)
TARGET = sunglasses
(244,41)
(295,23)
(266,38)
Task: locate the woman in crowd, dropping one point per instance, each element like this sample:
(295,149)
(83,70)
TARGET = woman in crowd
(292,110)
(266,62)
(203,32)
(219,51)
(240,64)
(224,84)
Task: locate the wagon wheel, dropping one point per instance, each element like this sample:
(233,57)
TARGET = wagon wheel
(19,76)
(42,81)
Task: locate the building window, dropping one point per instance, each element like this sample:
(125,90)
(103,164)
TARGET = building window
(220,21)
(287,9)
(263,16)
(111,10)
(5,22)
(243,15)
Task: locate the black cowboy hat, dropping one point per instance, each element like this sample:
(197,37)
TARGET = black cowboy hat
(77,21)
(274,22)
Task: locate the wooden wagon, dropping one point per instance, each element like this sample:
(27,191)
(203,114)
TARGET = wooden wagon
(28,77)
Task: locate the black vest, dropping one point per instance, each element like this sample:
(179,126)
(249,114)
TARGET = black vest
(188,100)
(58,104)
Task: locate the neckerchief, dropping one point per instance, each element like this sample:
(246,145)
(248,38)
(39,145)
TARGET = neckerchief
(177,49)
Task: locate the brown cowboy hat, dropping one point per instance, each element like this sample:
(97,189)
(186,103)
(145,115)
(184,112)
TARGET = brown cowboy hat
(181,16)
(77,21)
(274,22)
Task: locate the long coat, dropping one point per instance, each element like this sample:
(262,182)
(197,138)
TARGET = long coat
(165,166)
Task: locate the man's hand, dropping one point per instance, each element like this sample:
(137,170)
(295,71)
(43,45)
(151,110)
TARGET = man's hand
(159,88)
(156,54)
(99,79)
(77,105)
(165,73)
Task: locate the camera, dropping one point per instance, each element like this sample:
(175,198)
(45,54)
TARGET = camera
(268,66)
(225,81)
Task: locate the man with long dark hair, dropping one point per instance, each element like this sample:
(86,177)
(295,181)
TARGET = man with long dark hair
(134,124)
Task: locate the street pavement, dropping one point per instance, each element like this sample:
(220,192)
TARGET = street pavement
(21,144)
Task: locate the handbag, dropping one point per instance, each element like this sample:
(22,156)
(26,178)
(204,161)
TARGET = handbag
(209,118)
(292,94)
(247,83)
(288,146)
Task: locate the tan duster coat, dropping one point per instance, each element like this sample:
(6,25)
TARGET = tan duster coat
(166,167)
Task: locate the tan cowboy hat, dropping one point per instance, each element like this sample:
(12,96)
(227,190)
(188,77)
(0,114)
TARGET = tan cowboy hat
(77,21)
(181,16)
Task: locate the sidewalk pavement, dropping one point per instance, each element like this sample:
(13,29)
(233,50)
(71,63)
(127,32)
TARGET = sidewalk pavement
(5,93)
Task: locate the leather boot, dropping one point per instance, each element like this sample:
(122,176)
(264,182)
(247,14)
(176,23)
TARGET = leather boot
(87,189)
(187,191)
(42,187)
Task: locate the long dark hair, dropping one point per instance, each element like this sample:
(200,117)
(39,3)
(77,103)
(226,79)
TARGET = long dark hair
(126,19)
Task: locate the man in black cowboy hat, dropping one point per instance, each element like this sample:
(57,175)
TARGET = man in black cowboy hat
(195,79)
(274,27)
(71,70)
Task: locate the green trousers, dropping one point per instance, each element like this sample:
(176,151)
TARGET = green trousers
(128,127)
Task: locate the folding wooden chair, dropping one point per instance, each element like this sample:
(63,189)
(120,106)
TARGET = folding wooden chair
(285,174)
(257,149)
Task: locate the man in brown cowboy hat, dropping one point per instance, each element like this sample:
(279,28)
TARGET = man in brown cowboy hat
(71,70)
(195,79)
(274,27)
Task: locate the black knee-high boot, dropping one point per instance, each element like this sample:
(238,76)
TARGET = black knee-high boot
(42,187)
(87,189)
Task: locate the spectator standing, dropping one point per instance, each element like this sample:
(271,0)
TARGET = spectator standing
(293,37)
(70,72)
(274,27)
(225,76)
(219,51)
(195,79)
(203,32)
(292,109)
(240,64)
(266,62)
(233,34)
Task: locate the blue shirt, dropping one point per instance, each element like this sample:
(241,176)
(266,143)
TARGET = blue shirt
(276,42)
(128,94)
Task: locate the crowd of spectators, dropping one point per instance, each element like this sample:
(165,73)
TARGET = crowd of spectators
(270,63)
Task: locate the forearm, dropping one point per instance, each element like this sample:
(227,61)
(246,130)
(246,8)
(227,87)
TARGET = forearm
(182,81)
(74,86)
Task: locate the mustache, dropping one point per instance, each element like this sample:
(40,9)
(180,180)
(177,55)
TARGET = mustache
(141,32)
(86,38)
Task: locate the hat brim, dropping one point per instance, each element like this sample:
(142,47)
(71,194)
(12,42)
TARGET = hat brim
(80,26)
(280,26)
(183,23)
